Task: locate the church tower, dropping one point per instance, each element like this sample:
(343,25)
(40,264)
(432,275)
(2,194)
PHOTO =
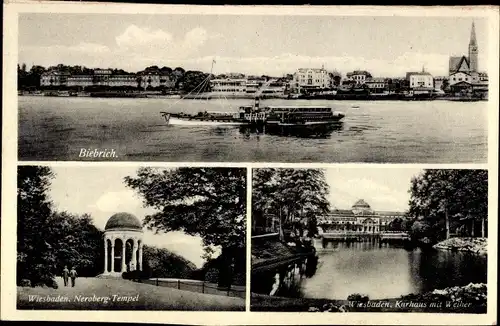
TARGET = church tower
(473,51)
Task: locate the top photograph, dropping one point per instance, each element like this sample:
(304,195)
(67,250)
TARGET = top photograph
(253,88)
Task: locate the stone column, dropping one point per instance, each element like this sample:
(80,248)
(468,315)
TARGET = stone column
(124,267)
(140,256)
(133,263)
(105,255)
(113,255)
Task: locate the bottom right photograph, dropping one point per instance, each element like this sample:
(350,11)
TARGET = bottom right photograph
(369,239)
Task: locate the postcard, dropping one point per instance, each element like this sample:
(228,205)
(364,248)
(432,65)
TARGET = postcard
(256,165)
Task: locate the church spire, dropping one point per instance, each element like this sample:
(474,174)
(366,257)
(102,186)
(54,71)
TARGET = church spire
(473,35)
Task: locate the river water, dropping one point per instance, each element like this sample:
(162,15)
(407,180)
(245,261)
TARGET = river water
(387,271)
(56,128)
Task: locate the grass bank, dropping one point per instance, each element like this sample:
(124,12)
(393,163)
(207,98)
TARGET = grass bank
(119,294)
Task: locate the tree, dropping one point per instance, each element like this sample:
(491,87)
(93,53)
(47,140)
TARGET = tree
(166,70)
(195,81)
(445,85)
(207,202)
(36,260)
(293,195)
(445,199)
(163,263)
(179,72)
(77,242)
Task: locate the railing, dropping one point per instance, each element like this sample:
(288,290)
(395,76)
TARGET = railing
(198,286)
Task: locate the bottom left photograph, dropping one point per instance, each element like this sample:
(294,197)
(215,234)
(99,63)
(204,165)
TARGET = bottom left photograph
(131,238)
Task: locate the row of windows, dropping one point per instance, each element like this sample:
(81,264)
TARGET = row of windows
(277,110)
(229,90)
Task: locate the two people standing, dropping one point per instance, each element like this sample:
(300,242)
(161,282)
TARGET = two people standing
(66,274)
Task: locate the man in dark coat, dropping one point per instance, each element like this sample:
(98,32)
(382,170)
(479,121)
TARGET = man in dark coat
(73,275)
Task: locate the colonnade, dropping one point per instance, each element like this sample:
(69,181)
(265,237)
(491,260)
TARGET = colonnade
(135,262)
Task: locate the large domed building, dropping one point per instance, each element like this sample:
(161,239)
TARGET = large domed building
(122,244)
(360,218)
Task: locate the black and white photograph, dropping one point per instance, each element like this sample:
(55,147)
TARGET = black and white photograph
(127,238)
(275,88)
(369,240)
(249,164)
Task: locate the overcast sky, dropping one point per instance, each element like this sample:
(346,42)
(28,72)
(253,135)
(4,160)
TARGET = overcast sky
(384,189)
(386,46)
(101,192)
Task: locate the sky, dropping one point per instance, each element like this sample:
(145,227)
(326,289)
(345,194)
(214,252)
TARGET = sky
(384,189)
(101,192)
(252,44)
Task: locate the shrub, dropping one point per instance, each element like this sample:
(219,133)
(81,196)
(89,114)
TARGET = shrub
(25,282)
(358,297)
(136,275)
(212,275)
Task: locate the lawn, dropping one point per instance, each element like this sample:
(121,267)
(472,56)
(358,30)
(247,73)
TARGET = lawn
(120,294)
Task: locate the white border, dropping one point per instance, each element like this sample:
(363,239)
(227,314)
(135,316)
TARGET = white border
(9,162)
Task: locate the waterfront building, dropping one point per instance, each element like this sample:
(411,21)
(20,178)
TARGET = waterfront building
(123,80)
(101,77)
(311,79)
(253,84)
(275,87)
(54,78)
(420,82)
(80,80)
(149,80)
(360,218)
(359,77)
(229,86)
(464,74)
(440,82)
(377,84)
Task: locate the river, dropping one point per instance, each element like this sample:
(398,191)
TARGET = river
(57,128)
(389,271)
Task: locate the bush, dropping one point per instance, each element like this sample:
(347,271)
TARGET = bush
(212,275)
(54,284)
(25,282)
(136,275)
(358,297)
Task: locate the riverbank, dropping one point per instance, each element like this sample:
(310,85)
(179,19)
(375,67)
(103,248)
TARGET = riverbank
(471,298)
(473,245)
(202,96)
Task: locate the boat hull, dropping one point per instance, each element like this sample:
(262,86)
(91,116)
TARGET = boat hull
(176,121)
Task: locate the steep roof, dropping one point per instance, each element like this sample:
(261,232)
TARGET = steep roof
(456,63)
(473,40)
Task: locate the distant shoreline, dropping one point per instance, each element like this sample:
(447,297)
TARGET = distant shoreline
(340,97)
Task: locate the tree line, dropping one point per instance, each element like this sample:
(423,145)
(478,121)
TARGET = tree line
(448,202)
(183,81)
(443,203)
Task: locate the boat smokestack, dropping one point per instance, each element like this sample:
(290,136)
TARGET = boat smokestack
(257,102)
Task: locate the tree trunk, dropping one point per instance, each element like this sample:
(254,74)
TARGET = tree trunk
(281,233)
(482,227)
(472,231)
(447,222)
(225,268)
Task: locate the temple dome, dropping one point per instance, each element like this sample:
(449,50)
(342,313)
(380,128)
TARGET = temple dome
(361,204)
(123,221)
